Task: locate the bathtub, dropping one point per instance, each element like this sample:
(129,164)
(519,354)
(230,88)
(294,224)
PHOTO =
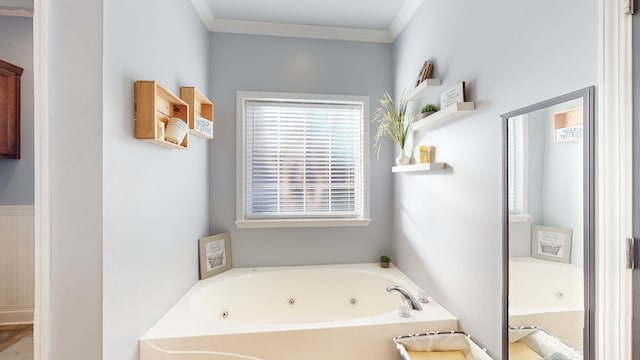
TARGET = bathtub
(281,313)
(548,295)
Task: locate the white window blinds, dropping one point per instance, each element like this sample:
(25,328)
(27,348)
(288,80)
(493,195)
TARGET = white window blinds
(516,165)
(303,160)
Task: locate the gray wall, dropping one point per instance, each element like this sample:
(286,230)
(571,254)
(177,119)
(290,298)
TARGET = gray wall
(447,227)
(260,63)
(75,161)
(155,199)
(16,176)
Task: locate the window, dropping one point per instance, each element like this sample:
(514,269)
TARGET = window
(518,163)
(302,160)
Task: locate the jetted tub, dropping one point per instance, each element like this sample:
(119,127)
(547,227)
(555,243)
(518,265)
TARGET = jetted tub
(548,295)
(339,312)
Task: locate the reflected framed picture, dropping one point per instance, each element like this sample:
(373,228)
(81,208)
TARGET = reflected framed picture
(568,125)
(551,243)
(215,254)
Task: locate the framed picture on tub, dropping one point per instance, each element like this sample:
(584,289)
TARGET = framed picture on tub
(551,243)
(215,254)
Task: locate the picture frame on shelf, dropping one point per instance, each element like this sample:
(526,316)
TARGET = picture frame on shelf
(425,72)
(453,95)
(215,254)
(551,243)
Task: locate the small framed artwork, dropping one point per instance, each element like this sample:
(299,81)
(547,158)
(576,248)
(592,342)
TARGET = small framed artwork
(567,125)
(551,243)
(453,95)
(425,72)
(215,254)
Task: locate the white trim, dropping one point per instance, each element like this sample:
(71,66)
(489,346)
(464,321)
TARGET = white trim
(613,172)
(300,31)
(16,210)
(213,24)
(521,218)
(15,317)
(16,12)
(269,224)
(42,304)
(401,20)
(206,14)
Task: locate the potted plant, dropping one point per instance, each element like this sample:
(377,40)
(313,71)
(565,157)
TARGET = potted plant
(428,109)
(384,261)
(394,123)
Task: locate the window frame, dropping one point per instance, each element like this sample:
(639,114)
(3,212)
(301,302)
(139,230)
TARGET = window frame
(242,222)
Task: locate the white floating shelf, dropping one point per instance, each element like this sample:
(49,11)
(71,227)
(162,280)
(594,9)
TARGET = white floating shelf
(449,113)
(419,167)
(419,91)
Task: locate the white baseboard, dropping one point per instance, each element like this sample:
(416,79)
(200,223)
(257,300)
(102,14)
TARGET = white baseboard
(14,317)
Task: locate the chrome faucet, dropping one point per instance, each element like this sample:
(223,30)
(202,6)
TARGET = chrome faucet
(415,305)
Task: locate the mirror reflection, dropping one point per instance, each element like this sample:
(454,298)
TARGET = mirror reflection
(545,176)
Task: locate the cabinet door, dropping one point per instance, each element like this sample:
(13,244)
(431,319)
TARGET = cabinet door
(9,115)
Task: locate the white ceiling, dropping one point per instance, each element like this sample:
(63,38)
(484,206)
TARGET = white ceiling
(358,20)
(361,20)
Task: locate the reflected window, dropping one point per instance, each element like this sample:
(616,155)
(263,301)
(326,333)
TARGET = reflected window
(517,157)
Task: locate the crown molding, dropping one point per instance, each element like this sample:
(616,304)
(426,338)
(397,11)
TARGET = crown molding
(404,16)
(206,14)
(300,31)
(16,12)
(214,24)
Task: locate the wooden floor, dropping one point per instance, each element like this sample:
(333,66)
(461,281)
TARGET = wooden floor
(11,334)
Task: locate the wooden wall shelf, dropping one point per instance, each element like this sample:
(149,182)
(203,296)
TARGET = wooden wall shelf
(419,167)
(444,115)
(419,91)
(199,107)
(154,103)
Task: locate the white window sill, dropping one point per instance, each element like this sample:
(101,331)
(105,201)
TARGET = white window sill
(288,223)
(519,218)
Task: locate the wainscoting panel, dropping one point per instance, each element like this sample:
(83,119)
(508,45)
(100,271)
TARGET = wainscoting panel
(16,264)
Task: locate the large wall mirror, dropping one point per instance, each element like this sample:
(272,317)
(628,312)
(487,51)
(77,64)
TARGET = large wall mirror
(548,229)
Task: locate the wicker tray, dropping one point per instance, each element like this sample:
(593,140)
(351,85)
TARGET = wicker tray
(440,341)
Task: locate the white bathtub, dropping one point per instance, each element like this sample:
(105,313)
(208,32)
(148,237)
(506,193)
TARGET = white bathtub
(548,295)
(280,313)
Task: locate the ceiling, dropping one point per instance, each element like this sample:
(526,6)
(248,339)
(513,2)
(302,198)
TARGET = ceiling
(359,20)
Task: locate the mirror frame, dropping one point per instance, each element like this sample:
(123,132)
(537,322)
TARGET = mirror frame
(588,105)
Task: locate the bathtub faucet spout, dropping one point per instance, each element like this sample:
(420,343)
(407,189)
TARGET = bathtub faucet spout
(415,305)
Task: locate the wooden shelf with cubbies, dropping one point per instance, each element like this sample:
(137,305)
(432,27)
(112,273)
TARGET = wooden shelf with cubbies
(200,112)
(154,106)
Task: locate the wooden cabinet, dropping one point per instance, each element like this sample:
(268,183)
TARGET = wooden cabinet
(10,110)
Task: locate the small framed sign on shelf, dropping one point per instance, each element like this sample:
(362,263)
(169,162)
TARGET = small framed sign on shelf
(215,254)
(551,243)
(453,95)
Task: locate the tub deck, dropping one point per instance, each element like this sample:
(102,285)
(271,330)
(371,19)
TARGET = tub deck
(184,334)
